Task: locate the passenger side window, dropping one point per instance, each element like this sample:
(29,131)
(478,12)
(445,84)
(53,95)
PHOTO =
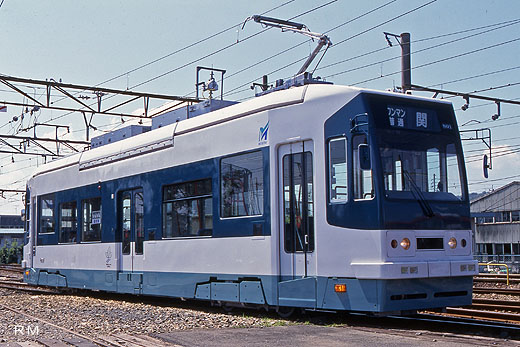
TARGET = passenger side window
(363,185)
(298,202)
(126,221)
(139,221)
(47,220)
(188,209)
(242,185)
(68,222)
(338,170)
(91,223)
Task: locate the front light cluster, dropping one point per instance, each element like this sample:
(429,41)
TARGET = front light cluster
(405,243)
(452,243)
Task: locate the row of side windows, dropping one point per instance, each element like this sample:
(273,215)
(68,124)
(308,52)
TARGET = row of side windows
(68,219)
(187,208)
(500,217)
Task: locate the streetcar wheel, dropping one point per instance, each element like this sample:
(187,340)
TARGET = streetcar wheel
(285,312)
(227,308)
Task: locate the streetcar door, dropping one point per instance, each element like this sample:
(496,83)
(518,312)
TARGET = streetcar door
(131,229)
(29,238)
(296,212)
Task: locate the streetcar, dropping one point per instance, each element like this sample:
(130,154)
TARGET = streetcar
(311,196)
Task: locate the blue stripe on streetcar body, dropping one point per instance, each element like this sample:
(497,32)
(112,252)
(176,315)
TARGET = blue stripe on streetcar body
(152,184)
(311,292)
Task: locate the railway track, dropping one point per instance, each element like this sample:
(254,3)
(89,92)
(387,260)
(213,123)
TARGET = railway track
(454,320)
(21,286)
(497,278)
(495,315)
(78,339)
(11,268)
(489,304)
(461,323)
(491,290)
(488,309)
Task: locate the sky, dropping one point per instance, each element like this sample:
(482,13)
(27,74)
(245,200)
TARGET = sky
(154,47)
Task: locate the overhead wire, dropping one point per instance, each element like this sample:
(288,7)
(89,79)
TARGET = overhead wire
(224,48)
(377,50)
(210,54)
(309,12)
(182,49)
(234,90)
(475,76)
(441,60)
(171,54)
(495,26)
(434,46)
(308,40)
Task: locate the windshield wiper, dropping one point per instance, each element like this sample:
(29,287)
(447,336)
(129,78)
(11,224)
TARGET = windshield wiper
(425,205)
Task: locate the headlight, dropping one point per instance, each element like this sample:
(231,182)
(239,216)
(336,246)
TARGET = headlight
(452,243)
(405,243)
(463,243)
(393,243)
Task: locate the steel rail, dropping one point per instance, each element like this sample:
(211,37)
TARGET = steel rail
(490,275)
(491,290)
(500,316)
(11,268)
(21,286)
(97,341)
(496,280)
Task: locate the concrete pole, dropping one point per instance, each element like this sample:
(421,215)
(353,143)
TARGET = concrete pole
(406,71)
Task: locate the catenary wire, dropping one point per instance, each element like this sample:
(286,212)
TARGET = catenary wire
(170,54)
(441,60)
(234,90)
(207,55)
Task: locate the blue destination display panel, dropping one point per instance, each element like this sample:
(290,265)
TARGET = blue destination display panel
(412,118)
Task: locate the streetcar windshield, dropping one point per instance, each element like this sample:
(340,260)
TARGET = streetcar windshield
(420,165)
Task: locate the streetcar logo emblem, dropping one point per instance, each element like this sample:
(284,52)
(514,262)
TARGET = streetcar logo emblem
(108,255)
(262,136)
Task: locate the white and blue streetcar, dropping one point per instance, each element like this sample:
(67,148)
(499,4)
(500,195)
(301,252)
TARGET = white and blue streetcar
(315,196)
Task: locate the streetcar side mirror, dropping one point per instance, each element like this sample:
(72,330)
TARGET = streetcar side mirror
(485,166)
(364,156)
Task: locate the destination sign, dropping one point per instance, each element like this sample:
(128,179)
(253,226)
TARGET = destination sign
(414,118)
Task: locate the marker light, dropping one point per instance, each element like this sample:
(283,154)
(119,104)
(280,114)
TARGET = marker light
(27,273)
(452,243)
(393,243)
(340,288)
(405,243)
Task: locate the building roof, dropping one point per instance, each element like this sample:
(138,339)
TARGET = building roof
(514,183)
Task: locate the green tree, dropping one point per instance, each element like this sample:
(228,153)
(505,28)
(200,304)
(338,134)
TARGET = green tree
(11,253)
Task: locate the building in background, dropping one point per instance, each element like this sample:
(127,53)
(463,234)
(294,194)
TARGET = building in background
(11,229)
(496,226)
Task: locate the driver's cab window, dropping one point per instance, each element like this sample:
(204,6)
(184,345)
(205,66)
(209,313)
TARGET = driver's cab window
(363,184)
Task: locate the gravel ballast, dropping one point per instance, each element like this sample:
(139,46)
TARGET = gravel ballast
(97,316)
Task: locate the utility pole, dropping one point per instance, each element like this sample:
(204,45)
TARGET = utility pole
(406,70)
(406,65)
